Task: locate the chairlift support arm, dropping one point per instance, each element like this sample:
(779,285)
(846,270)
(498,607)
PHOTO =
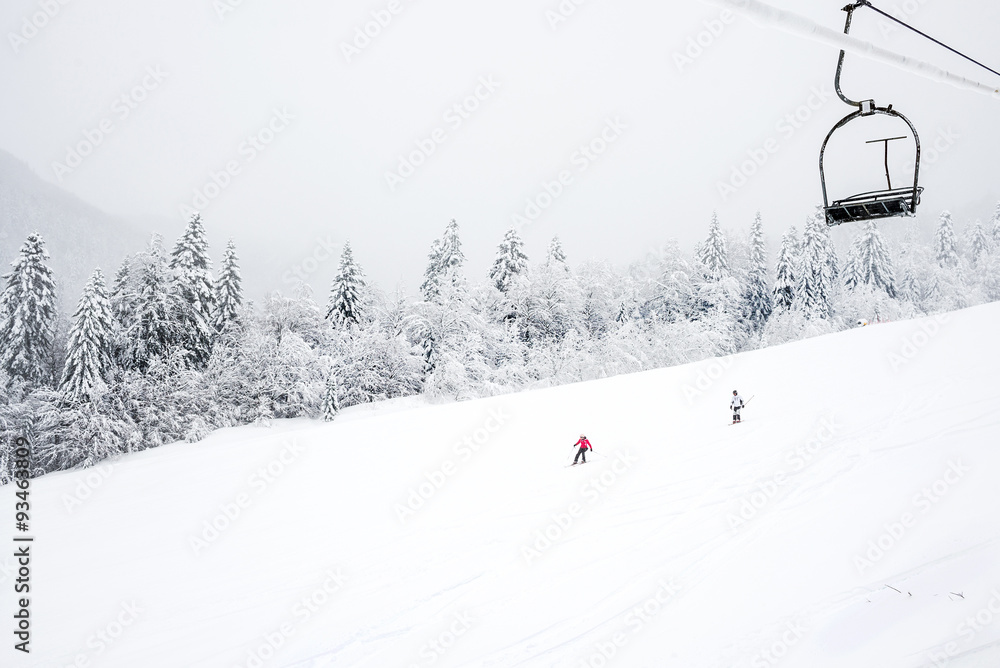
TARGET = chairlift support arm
(867,108)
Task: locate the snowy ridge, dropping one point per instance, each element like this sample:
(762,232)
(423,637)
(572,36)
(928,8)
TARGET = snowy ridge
(848,522)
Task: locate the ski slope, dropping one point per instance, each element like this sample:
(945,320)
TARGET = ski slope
(851,520)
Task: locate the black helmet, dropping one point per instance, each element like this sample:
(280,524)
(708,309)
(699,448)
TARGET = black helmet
(735,392)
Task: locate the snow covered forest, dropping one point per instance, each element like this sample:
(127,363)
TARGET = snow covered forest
(169,349)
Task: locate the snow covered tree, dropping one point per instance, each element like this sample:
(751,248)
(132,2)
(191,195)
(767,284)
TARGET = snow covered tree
(297,315)
(786,275)
(192,269)
(812,290)
(869,263)
(995,226)
(27,315)
(428,352)
(331,404)
(431,287)
(228,290)
(712,253)
(444,263)
(148,310)
(756,292)
(832,261)
(373,365)
(510,262)
(345,306)
(556,257)
(123,303)
(979,242)
(945,244)
(88,361)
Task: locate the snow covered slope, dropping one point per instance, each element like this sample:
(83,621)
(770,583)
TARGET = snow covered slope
(850,521)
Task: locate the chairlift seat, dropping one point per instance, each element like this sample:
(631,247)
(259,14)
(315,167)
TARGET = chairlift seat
(874,205)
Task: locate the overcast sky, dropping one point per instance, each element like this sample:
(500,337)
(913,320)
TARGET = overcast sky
(309,120)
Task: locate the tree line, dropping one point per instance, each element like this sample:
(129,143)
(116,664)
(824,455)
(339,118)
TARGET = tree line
(172,350)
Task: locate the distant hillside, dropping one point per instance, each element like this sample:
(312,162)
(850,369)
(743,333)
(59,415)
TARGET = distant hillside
(79,236)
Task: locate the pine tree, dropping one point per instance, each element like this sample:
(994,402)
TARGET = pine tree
(852,267)
(713,254)
(786,270)
(510,262)
(331,404)
(979,243)
(122,300)
(228,290)
(345,305)
(995,226)
(150,323)
(192,269)
(431,287)
(869,263)
(428,352)
(556,257)
(756,292)
(27,315)
(88,360)
(945,244)
(444,264)
(830,251)
(812,293)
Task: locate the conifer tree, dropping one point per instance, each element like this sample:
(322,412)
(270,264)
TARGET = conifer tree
(712,253)
(786,270)
(431,287)
(122,302)
(945,244)
(428,350)
(228,290)
(444,264)
(88,359)
(756,292)
(192,269)
(331,404)
(27,315)
(832,261)
(812,293)
(979,243)
(556,256)
(510,261)
(345,306)
(121,289)
(995,226)
(869,263)
(153,323)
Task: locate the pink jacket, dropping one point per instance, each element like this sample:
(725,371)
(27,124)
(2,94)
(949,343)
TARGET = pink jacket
(583,443)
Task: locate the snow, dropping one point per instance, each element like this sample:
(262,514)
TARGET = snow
(850,438)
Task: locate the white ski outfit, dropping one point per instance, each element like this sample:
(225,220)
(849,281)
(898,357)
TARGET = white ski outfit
(736,404)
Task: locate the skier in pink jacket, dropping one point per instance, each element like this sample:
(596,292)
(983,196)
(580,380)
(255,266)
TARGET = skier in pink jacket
(584,446)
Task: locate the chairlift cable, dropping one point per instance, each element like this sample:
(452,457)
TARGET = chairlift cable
(866,3)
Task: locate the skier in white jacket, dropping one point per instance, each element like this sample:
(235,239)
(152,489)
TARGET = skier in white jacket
(736,404)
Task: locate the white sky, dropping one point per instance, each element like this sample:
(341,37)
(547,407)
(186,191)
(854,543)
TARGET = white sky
(323,176)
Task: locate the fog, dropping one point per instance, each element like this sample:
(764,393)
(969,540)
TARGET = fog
(615,125)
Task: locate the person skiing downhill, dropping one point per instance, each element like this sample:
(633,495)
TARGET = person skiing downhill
(582,452)
(736,404)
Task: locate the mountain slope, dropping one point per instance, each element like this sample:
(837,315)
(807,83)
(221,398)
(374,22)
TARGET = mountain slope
(848,522)
(79,237)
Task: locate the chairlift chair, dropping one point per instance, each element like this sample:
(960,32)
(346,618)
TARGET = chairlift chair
(875,204)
